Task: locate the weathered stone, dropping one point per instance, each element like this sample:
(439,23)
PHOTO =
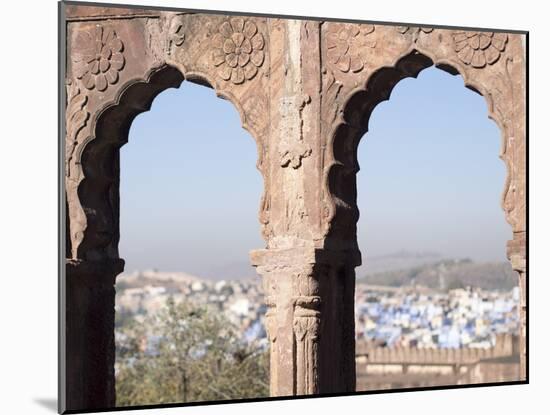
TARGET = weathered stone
(305,91)
(89,331)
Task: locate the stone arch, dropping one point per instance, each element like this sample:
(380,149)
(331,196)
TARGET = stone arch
(92,185)
(352,125)
(98,155)
(351,94)
(116,64)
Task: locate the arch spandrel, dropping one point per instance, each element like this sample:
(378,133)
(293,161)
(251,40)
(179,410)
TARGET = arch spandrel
(115,68)
(361,63)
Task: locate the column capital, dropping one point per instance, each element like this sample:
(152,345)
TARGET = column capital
(300,256)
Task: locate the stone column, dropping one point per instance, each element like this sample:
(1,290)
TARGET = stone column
(90,343)
(516,250)
(310,319)
(309,288)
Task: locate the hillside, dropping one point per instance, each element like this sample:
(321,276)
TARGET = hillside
(448,274)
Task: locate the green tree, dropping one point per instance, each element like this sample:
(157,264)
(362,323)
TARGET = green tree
(187,353)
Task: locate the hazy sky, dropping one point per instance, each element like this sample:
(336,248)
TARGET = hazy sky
(430,179)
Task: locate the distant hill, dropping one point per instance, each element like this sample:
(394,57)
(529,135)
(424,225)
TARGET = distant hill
(235,270)
(396,261)
(402,268)
(448,274)
(155,278)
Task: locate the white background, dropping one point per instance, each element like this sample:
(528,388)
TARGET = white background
(28,219)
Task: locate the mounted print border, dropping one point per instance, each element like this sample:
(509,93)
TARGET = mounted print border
(304,88)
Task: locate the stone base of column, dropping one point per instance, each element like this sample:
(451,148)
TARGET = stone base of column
(310,319)
(88,380)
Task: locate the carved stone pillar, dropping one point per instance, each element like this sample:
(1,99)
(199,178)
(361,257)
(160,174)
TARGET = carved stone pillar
(310,323)
(517,256)
(309,281)
(90,342)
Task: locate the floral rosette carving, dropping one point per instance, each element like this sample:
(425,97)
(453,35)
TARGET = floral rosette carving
(238,50)
(97,58)
(479,48)
(347,44)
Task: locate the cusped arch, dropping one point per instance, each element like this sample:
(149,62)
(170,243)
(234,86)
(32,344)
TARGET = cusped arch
(351,125)
(94,228)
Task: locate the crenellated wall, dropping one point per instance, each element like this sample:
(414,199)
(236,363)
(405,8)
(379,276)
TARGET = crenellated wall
(407,367)
(506,345)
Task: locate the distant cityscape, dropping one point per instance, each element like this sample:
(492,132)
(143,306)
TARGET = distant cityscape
(426,319)
(407,316)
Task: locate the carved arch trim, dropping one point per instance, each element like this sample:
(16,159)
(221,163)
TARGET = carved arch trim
(350,122)
(92,185)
